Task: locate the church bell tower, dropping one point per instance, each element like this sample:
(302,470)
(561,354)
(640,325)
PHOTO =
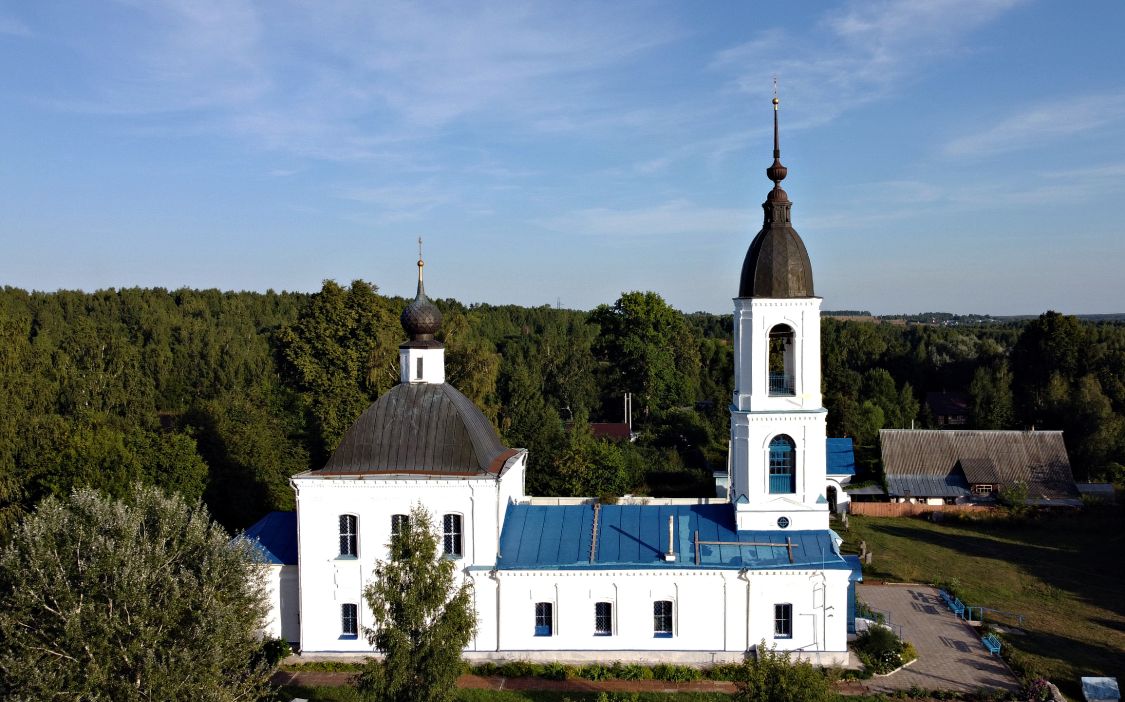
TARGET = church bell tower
(778,454)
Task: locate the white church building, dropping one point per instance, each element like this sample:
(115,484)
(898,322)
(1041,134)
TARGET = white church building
(649,579)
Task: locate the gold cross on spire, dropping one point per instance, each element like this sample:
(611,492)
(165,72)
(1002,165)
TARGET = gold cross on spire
(420,261)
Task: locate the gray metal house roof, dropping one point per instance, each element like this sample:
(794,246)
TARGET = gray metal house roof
(420,428)
(956,458)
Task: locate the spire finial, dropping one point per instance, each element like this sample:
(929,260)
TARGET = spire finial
(776,172)
(421,263)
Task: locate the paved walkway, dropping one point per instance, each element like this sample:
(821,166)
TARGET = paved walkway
(950,654)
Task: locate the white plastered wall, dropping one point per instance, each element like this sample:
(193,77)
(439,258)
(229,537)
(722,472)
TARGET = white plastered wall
(329,580)
(710,621)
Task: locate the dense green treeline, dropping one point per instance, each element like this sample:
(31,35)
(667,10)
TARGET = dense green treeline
(224,395)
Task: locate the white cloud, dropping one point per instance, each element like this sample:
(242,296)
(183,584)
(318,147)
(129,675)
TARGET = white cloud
(861,53)
(1058,119)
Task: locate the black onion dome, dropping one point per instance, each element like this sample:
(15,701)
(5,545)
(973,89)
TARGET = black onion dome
(420,428)
(777,264)
(421,319)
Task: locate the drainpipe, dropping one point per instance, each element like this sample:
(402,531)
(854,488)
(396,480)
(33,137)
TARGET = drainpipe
(495,575)
(744,574)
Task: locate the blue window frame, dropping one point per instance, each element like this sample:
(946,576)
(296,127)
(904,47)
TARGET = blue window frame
(783,465)
(349,535)
(662,619)
(349,621)
(544,619)
(783,621)
(603,619)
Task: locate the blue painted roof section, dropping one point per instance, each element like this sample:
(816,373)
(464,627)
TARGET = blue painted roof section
(275,536)
(537,537)
(841,457)
(908,485)
(857,568)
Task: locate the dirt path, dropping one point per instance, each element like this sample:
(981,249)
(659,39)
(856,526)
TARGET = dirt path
(476,682)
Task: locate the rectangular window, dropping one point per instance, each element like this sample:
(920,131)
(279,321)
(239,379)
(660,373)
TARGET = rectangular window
(982,489)
(399,523)
(662,619)
(451,535)
(349,536)
(544,619)
(349,620)
(603,619)
(783,621)
(419,376)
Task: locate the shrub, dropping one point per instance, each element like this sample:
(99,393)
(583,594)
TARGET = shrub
(774,677)
(724,671)
(557,671)
(880,650)
(594,671)
(675,673)
(519,669)
(275,651)
(631,671)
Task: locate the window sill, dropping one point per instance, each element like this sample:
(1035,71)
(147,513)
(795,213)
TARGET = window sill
(783,638)
(661,636)
(606,633)
(343,557)
(349,637)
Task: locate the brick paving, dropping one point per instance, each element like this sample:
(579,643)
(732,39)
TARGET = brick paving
(950,654)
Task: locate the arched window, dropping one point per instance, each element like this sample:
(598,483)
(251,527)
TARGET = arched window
(783,465)
(662,619)
(349,535)
(451,535)
(349,621)
(399,523)
(781,364)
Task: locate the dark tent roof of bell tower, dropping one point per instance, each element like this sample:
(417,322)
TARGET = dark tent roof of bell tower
(777,264)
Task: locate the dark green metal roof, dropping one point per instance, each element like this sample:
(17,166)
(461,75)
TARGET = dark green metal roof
(420,428)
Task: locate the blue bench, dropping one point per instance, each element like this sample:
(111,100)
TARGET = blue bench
(958,607)
(991,643)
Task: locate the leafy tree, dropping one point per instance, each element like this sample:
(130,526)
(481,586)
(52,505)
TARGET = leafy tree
(143,599)
(423,618)
(589,466)
(340,354)
(648,349)
(774,677)
(990,393)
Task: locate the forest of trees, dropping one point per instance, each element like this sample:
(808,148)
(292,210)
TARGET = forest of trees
(225,395)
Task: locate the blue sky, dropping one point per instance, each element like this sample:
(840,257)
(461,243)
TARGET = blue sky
(953,155)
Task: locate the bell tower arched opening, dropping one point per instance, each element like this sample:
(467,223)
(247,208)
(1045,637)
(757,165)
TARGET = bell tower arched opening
(782,373)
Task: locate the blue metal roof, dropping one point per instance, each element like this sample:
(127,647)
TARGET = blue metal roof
(912,485)
(538,537)
(857,568)
(841,457)
(275,536)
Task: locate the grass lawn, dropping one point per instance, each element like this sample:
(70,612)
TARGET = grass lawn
(1065,573)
